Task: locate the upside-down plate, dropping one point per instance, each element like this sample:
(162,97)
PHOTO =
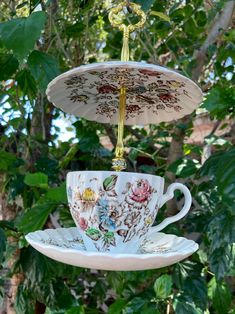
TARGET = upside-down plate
(154,93)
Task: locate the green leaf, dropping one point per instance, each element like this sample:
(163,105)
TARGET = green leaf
(224,177)
(183,306)
(46,279)
(34,218)
(188,10)
(220,294)
(23,303)
(26,83)
(190,28)
(161,15)
(43,67)
(21,34)
(37,179)
(184,167)
(7,160)
(117,306)
(75,29)
(163,286)
(230,35)
(196,289)
(177,15)
(89,142)
(110,182)
(185,270)
(66,218)
(15,122)
(68,157)
(2,244)
(134,306)
(220,261)
(226,218)
(37,267)
(220,102)
(8,65)
(76,310)
(4,224)
(201,18)
(188,277)
(57,194)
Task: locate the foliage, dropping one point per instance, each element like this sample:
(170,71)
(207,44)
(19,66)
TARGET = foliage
(39,40)
(20,34)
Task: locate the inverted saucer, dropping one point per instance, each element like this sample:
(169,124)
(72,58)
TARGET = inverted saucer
(154,93)
(66,245)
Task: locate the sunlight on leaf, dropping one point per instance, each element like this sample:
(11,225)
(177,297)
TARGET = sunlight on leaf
(161,15)
(21,34)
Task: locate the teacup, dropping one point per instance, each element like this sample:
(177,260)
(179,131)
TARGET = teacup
(114,211)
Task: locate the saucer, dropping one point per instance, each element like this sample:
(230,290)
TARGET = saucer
(154,93)
(66,245)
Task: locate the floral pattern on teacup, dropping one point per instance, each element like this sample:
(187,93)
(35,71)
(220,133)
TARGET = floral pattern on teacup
(85,199)
(141,191)
(104,218)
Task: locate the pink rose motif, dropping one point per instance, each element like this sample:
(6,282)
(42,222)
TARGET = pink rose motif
(83,223)
(141,191)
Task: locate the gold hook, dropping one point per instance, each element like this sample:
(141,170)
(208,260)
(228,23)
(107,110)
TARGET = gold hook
(119,162)
(127,29)
(136,9)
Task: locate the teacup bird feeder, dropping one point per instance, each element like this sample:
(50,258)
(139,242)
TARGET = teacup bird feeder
(120,92)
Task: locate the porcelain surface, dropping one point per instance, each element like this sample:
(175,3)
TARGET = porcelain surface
(115,210)
(154,93)
(66,245)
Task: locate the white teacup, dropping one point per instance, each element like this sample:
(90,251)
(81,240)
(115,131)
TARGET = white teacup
(115,210)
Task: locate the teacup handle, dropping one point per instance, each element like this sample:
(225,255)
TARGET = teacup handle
(169,195)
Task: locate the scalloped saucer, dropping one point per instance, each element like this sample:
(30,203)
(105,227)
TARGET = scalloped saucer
(154,93)
(66,245)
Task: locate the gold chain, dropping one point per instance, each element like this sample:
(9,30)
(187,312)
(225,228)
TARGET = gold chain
(119,162)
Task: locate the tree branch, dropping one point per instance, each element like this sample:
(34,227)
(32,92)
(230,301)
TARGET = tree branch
(109,131)
(220,24)
(134,132)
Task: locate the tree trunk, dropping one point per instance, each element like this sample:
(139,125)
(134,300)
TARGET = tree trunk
(8,212)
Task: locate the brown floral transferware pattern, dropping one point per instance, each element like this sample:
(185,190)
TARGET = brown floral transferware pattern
(146,89)
(77,243)
(104,219)
(154,93)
